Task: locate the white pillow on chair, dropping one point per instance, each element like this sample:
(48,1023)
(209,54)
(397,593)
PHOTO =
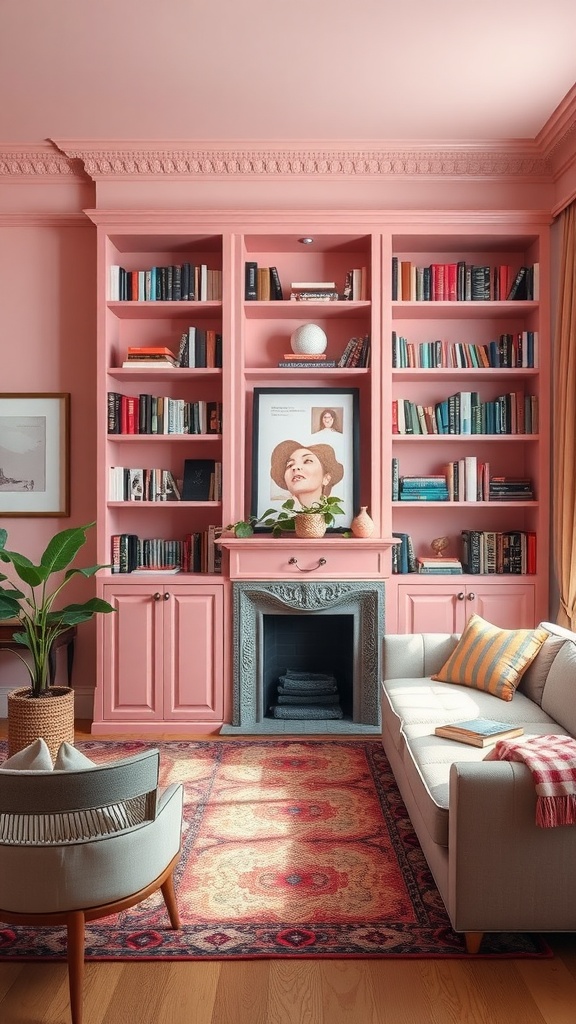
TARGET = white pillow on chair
(33,758)
(69,759)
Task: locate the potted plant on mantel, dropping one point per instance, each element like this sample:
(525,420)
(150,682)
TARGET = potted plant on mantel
(304,521)
(43,710)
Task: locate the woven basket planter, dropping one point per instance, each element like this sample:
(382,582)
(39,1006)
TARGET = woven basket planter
(50,717)
(309,524)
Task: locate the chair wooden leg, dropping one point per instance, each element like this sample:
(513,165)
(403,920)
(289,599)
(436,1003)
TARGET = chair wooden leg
(473,941)
(170,901)
(76,926)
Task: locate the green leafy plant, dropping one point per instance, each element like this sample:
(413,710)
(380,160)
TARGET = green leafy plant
(33,605)
(283,520)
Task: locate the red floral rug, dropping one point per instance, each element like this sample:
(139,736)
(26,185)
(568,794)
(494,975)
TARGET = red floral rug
(291,848)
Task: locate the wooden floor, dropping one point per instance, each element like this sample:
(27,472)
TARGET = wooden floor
(300,992)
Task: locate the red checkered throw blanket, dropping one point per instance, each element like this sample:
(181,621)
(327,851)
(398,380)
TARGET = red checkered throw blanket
(552,761)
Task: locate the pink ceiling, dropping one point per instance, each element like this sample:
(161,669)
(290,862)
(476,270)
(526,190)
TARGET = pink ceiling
(425,70)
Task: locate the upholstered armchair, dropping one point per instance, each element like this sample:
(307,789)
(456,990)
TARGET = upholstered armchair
(82,841)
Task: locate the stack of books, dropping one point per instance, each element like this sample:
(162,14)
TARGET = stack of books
(150,357)
(300,360)
(423,488)
(511,488)
(440,564)
(314,291)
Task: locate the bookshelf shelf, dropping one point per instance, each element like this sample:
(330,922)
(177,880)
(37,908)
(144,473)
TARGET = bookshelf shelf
(165,310)
(303,311)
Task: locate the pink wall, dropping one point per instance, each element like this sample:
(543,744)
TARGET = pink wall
(47,298)
(48,270)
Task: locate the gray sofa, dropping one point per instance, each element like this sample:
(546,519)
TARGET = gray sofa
(495,869)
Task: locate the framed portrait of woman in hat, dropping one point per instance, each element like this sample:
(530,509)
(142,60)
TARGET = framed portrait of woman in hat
(305,445)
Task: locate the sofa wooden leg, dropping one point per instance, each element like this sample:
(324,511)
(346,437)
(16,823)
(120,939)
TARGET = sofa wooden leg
(473,941)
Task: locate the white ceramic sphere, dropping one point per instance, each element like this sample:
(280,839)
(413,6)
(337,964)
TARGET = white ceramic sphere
(309,339)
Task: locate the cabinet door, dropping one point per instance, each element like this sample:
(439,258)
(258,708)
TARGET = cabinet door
(193,652)
(426,609)
(445,608)
(133,639)
(510,607)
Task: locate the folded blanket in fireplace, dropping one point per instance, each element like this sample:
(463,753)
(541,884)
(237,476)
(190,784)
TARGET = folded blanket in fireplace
(552,762)
(315,699)
(302,691)
(309,676)
(306,713)
(308,685)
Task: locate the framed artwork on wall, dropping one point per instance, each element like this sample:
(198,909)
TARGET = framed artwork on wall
(305,444)
(34,454)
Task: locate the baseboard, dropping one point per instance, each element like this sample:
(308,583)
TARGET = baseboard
(83,701)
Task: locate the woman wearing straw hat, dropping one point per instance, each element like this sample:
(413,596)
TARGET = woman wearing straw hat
(307,473)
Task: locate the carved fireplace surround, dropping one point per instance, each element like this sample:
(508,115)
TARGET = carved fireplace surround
(253,601)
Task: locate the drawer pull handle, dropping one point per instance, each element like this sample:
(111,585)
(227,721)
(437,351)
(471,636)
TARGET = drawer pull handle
(471,596)
(166,596)
(294,561)
(461,596)
(156,597)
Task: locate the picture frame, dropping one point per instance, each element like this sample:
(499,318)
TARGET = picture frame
(35,454)
(281,416)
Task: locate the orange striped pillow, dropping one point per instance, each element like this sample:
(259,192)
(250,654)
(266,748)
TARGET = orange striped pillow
(491,659)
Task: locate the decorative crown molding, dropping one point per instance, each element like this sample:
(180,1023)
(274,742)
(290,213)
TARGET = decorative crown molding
(183,160)
(44,161)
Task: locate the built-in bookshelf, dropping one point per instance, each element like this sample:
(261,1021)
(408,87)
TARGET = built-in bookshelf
(450,384)
(469,405)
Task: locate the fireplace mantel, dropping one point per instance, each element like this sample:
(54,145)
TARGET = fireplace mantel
(334,556)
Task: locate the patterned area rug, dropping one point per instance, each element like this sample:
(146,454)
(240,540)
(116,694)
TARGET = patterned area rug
(291,848)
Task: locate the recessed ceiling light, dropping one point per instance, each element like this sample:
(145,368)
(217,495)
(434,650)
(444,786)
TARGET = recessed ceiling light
(306,241)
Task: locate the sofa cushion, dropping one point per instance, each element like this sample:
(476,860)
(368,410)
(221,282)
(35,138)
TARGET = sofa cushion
(412,708)
(534,678)
(559,696)
(491,659)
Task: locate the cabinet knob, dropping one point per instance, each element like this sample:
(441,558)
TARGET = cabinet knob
(471,596)
(461,595)
(166,596)
(156,597)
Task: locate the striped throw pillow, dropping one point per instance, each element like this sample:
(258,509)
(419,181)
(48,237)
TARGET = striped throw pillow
(491,659)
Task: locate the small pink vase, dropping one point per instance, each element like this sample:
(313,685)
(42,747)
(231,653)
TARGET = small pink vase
(362,525)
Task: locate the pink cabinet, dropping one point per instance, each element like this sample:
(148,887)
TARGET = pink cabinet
(162,654)
(446,607)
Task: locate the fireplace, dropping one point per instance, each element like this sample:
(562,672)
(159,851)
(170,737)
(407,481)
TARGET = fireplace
(321,627)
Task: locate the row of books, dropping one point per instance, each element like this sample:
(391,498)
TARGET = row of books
(404,560)
(263,284)
(200,348)
(160,414)
(488,552)
(201,481)
(173,283)
(462,282)
(139,484)
(142,556)
(484,553)
(355,355)
(466,479)
(509,351)
(465,413)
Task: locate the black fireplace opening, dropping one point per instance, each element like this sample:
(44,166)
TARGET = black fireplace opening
(319,643)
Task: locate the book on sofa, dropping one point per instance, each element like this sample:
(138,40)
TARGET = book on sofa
(479,732)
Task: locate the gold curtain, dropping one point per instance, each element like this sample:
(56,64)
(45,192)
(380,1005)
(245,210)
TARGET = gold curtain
(564,437)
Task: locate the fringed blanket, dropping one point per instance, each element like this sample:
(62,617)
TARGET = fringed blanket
(552,762)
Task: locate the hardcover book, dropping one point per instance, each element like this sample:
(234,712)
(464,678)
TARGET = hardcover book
(478,732)
(197,479)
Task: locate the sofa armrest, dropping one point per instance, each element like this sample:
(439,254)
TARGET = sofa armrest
(416,655)
(505,872)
